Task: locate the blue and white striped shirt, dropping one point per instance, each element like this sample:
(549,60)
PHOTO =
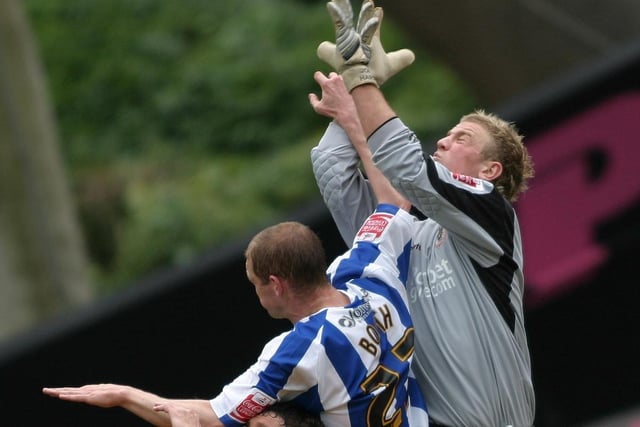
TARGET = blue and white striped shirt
(350,364)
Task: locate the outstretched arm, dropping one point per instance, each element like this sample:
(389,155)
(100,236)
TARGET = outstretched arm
(136,401)
(180,416)
(338,104)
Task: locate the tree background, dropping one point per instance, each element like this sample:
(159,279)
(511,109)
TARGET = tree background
(183,124)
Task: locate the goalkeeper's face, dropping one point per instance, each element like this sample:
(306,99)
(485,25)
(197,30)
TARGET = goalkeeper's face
(462,152)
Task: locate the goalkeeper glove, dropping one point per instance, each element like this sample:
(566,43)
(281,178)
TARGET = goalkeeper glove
(379,64)
(352,51)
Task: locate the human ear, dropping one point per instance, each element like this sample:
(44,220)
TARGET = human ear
(278,286)
(491,170)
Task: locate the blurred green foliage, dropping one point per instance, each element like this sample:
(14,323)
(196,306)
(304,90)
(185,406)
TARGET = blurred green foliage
(186,123)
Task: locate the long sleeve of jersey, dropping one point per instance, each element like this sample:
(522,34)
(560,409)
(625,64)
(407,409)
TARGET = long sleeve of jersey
(457,202)
(380,250)
(344,188)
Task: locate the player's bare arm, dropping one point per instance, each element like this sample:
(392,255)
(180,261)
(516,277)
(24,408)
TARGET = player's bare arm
(136,401)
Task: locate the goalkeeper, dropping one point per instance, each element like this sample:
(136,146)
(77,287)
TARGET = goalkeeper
(466,282)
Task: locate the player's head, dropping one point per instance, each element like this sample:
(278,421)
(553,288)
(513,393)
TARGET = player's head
(485,146)
(285,414)
(508,149)
(287,252)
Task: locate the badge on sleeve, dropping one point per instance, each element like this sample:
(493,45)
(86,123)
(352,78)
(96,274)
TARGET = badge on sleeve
(255,403)
(374,227)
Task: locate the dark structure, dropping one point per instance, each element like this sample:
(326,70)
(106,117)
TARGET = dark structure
(186,333)
(503,48)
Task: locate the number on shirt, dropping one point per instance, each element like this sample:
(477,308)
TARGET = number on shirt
(384,377)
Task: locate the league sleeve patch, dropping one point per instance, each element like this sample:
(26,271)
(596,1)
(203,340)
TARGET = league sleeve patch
(255,403)
(374,227)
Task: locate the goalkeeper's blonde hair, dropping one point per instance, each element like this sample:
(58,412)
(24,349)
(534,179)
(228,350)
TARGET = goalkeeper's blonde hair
(508,149)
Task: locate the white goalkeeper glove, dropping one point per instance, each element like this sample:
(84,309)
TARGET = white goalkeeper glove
(368,63)
(352,51)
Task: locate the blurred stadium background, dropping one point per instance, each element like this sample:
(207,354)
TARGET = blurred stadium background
(567,74)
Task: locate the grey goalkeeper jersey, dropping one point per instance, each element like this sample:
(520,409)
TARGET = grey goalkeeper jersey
(466,282)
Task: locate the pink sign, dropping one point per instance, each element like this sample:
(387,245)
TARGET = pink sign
(587,171)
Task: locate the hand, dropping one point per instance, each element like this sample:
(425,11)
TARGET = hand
(335,101)
(102,395)
(381,64)
(352,51)
(179,415)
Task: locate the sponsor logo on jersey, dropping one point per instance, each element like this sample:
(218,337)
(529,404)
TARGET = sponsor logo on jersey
(433,282)
(466,179)
(357,313)
(251,406)
(374,226)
